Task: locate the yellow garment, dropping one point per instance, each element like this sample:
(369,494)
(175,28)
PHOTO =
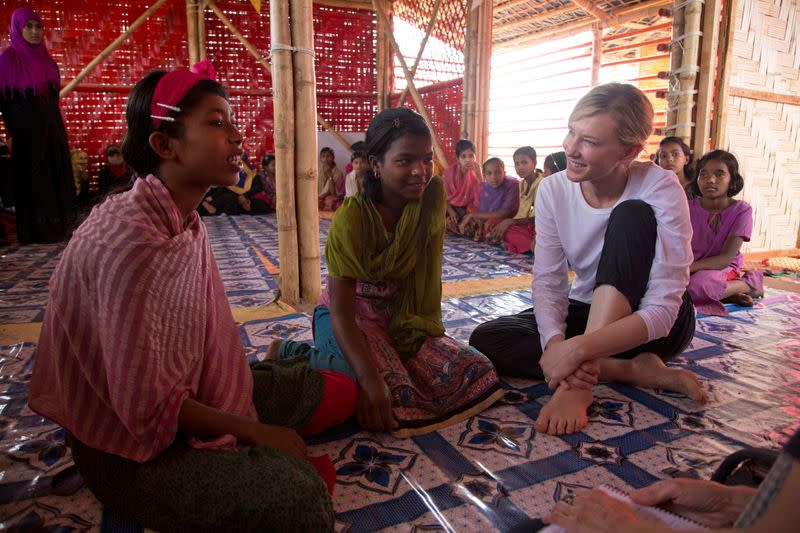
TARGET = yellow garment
(360,248)
(527,196)
(248,180)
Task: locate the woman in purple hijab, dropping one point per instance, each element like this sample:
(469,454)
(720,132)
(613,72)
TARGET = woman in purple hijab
(44,193)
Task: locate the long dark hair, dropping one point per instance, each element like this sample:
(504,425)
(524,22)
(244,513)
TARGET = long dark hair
(688,168)
(556,162)
(136,148)
(737,181)
(388,126)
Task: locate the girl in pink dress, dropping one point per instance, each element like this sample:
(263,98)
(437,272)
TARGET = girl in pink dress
(720,225)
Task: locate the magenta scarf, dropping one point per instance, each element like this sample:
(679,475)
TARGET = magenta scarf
(24,65)
(462,190)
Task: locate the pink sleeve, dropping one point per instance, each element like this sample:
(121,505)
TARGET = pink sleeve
(742,225)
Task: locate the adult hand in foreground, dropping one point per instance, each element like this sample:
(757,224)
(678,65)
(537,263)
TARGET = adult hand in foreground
(563,364)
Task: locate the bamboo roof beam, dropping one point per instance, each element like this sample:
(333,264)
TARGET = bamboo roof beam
(595,12)
(615,18)
(346,4)
(535,18)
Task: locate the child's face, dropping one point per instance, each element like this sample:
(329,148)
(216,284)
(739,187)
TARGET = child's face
(406,169)
(466,160)
(714,179)
(210,150)
(524,166)
(359,163)
(494,174)
(271,167)
(671,157)
(115,159)
(326,158)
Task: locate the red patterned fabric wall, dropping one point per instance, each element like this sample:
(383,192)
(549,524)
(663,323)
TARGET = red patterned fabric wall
(77,31)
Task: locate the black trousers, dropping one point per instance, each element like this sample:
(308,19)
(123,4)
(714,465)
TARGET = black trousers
(513,343)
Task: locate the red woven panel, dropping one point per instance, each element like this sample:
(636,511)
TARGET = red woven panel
(443,103)
(440,73)
(78,31)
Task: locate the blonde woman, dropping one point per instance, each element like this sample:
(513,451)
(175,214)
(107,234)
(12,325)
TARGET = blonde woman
(623,227)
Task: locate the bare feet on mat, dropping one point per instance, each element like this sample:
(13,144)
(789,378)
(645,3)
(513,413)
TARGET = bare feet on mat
(742,299)
(648,370)
(272,352)
(565,413)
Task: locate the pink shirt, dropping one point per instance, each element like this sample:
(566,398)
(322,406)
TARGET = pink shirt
(136,323)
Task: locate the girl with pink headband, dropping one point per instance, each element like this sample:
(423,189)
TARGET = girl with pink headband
(141,362)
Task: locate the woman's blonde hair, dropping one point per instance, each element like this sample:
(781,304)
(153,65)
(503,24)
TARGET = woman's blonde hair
(627,105)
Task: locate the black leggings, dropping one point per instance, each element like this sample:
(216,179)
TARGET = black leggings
(513,343)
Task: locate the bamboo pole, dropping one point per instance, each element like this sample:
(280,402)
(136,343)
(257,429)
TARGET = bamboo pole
(484,64)
(437,148)
(110,48)
(597,54)
(384,62)
(306,172)
(428,30)
(191,31)
(284,135)
(346,4)
(469,83)
(264,63)
(720,122)
(686,102)
(201,30)
(708,70)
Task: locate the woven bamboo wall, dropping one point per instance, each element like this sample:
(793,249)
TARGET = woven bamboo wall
(762,131)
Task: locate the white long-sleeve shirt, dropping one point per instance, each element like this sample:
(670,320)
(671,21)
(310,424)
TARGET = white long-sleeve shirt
(570,234)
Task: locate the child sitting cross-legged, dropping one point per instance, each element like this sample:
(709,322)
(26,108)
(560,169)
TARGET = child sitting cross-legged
(499,199)
(720,225)
(141,362)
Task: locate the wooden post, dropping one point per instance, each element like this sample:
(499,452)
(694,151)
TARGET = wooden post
(191,31)
(384,60)
(201,29)
(306,172)
(428,30)
(483,74)
(468,87)
(597,54)
(284,135)
(477,74)
(110,48)
(685,103)
(720,122)
(708,70)
(437,148)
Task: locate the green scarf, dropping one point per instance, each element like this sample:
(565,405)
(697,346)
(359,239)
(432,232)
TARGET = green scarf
(360,248)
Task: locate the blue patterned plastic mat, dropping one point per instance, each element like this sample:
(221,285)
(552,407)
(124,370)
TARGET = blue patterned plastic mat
(485,474)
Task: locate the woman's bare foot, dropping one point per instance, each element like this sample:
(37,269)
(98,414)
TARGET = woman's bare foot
(272,352)
(565,413)
(648,370)
(742,299)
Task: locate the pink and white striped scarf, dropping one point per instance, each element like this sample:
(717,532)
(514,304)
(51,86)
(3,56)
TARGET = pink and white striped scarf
(137,322)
